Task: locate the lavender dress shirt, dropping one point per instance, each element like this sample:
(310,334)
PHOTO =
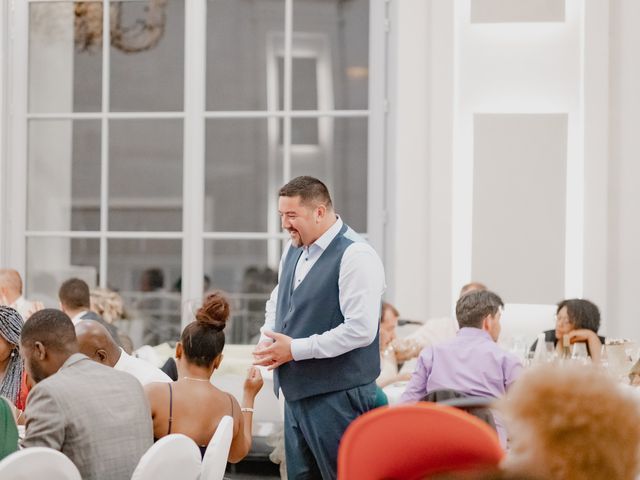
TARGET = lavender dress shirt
(471,363)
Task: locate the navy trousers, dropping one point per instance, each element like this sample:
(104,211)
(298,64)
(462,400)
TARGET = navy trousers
(313,428)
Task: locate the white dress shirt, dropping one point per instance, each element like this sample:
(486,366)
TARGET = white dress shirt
(361,285)
(78,317)
(141,369)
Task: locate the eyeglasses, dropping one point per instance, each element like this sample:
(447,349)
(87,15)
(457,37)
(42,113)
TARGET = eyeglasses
(563,320)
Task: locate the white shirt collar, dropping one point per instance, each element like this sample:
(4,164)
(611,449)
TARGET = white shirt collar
(121,361)
(76,319)
(327,237)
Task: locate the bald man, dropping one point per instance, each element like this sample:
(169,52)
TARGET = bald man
(98,344)
(11,293)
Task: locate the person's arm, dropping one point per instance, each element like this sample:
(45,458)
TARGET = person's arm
(400,377)
(417,386)
(361,285)
(45,421)
(592,340)
(511,370)
(241,443)
(270,309)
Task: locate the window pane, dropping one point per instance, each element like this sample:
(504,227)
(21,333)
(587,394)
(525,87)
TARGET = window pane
(146,273)
(243,269)
(65,57)
(335,34)
(242,174)
(243,40)
(147,56)
(51,261)
(339,158)
(145,175)
(64,175)
(304,94)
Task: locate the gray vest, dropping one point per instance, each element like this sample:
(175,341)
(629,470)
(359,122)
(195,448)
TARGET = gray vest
(314,308)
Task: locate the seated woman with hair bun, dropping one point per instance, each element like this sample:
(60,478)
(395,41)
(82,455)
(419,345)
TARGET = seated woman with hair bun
(192,405)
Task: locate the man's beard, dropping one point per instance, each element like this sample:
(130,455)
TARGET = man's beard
(296,239)
(37,374)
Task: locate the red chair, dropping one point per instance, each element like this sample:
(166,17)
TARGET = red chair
(414,441)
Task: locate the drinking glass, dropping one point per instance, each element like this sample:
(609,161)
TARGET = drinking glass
(579,352)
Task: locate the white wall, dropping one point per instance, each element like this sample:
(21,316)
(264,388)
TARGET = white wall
(624,169)
(437,57)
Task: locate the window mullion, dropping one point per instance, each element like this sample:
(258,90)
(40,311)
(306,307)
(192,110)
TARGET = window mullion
(104,143)
(286,132)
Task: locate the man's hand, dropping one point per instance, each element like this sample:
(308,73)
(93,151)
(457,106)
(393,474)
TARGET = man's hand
(274,355)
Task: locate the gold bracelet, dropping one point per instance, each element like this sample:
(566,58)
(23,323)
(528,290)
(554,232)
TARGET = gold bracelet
(247,409)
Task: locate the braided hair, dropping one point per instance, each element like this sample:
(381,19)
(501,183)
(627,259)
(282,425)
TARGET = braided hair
(10,328)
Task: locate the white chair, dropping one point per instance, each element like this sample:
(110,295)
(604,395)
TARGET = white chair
(214,462)
(38,462)
(173,456)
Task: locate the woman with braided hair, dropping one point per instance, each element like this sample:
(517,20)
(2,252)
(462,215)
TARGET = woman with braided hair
(12,377)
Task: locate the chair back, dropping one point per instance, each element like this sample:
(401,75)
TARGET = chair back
(414,441)
(173,456)
(477,406)
(214,462)
(38,462)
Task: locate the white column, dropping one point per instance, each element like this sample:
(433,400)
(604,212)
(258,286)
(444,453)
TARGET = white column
(408,235)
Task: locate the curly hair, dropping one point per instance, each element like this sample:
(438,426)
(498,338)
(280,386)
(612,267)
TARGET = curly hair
(582,313)
(573,422)
(108,304)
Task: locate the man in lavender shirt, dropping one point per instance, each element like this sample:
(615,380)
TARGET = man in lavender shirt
(472,363)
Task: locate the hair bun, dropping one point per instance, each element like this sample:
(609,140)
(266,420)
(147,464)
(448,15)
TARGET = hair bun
(214,311)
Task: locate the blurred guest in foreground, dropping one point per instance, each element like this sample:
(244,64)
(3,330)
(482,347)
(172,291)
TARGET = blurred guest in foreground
(580,320)
(98,344)
(95,415)
(12,376)
(192,405)
(472,363)
(571,422)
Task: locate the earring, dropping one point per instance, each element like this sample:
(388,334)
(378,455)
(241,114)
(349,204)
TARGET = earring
(13,353)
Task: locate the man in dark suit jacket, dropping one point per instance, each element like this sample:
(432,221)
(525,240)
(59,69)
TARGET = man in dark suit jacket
(75,301)
(97,416)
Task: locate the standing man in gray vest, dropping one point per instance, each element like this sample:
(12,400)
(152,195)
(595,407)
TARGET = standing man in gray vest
(321,328)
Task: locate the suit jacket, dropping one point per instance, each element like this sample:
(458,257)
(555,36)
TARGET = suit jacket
(95,415)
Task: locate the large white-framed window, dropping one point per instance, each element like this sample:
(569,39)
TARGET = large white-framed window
(145,147)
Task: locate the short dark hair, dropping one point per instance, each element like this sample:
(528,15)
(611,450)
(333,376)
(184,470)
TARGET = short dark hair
(203,339)
(582,313)
(74,294)
(50,327)
(473,307)
(154,278)
(309,189)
